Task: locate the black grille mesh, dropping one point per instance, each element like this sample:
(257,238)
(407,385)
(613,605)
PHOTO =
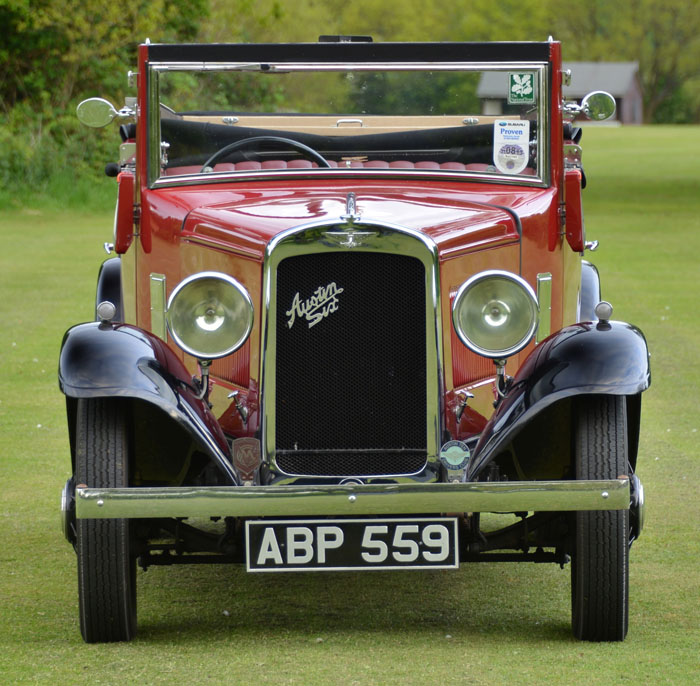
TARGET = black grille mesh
(351,388)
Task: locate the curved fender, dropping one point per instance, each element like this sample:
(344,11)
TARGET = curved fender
(590,292)
(109,285)
(585,358)
(101,359)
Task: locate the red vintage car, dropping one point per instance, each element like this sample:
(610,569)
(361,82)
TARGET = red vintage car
(349,326)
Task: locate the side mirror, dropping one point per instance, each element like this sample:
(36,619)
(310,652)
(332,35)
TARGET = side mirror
(96,112)
(598,106)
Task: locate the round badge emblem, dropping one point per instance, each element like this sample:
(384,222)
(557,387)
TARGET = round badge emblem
(454,455)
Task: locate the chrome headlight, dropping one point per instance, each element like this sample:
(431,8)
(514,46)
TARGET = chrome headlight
(210,315)
(495,313)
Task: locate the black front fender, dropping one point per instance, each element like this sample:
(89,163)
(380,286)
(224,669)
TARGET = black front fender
(586,358)
(104,360)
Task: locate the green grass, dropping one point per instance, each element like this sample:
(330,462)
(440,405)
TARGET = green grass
(486,624)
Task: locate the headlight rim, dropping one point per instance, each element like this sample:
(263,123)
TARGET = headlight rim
(504,352)
(231,281)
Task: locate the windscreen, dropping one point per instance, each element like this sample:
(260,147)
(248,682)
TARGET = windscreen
(269,119)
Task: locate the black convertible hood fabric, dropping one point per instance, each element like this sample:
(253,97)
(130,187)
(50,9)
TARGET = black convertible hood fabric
(193,142)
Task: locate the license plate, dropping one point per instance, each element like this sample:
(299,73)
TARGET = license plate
(351,544)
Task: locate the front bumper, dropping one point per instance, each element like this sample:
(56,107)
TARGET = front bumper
(352,499)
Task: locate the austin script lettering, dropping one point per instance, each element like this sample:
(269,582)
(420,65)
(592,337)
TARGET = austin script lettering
(314,309)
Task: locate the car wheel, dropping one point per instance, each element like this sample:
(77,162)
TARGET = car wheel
(106,564)
(600,568)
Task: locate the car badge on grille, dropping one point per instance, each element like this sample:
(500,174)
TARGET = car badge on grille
(349,237)
(323,302)
(246,457)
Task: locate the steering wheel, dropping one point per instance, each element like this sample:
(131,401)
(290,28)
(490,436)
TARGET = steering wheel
(304,149)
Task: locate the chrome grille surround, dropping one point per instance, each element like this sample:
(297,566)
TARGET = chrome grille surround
(369,237)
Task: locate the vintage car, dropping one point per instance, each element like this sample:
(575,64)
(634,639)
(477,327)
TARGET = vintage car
(349,326)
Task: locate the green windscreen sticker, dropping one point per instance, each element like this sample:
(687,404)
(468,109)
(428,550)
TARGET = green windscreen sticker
(521,88)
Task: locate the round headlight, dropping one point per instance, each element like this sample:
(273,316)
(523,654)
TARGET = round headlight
(210,315)
(495,313)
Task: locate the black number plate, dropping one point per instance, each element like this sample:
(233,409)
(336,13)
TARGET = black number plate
(351,544)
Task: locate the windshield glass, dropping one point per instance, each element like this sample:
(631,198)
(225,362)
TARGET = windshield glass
(270,118)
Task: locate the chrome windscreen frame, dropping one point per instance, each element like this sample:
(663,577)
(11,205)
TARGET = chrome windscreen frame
(370,236)
(543,107)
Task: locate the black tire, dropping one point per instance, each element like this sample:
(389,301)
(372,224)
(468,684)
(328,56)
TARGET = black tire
(106,565)
(600,567)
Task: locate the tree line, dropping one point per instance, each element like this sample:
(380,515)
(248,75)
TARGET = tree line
(53,53)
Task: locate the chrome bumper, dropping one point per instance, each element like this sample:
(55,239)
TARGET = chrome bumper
(373,499)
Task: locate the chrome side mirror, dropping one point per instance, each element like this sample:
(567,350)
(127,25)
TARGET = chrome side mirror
(98,112)
(598,106)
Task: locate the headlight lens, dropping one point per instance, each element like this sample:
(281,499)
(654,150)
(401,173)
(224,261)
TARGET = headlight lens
(210,315)
(495,313)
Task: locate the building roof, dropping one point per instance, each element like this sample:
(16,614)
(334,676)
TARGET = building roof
(614,77)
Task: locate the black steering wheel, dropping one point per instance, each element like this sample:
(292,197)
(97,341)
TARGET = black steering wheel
(304,149)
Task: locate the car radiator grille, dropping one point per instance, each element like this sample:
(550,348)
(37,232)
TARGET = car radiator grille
(351,365)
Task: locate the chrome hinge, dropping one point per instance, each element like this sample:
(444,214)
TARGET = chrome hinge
(464,397)
(242,409)
(572,156)
(164,147)
(137,219)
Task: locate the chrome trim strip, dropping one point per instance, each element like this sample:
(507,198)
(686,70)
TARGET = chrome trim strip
(157,287)
(352,499)
(404,174)
(544,161)
(345,66)
(386,238)
(544,298)
(153,127)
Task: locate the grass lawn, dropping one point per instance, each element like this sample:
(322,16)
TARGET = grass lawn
(486,624)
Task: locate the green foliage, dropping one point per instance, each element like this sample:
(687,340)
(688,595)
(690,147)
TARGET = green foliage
(41,150)
(406,93)
(57,51)
(54,53)
(226,92)
(681,107)
(662,35)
